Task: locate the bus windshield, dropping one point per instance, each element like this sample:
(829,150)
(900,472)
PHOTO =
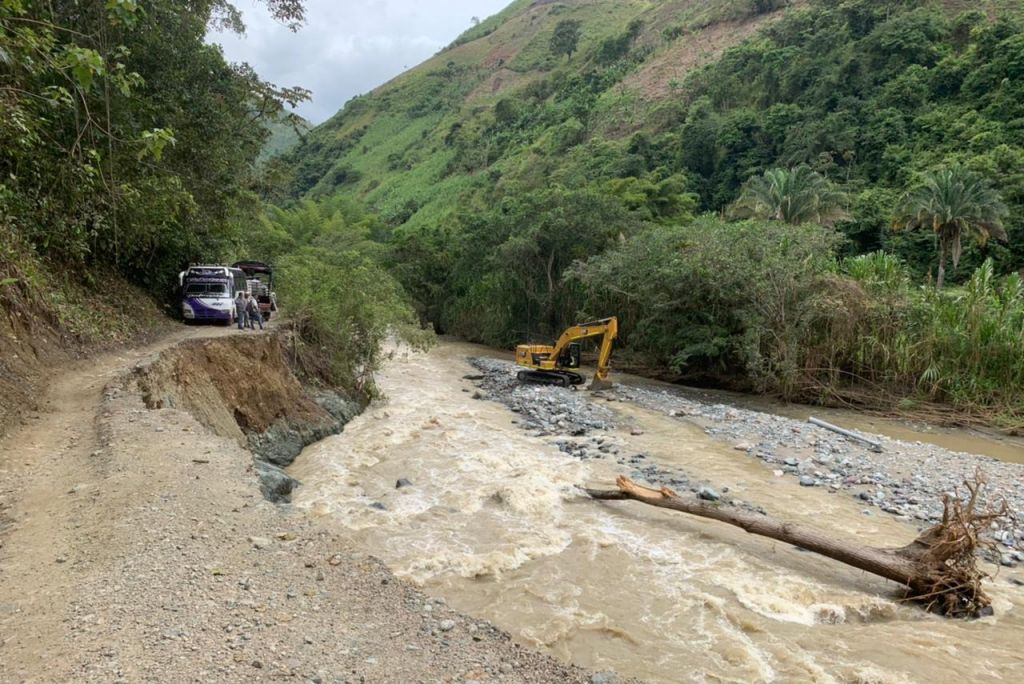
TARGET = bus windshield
(206,290)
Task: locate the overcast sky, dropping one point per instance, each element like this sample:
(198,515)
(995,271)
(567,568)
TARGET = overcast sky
(348,47)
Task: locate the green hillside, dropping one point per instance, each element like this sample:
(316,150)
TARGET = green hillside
(286,133)
(522,179)
(413,145)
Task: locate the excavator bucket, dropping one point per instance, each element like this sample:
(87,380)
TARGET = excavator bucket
(598,384)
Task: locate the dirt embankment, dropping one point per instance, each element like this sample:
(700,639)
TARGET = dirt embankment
(244,388)
(41,327)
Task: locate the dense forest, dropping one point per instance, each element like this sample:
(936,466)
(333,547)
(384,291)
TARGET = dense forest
(775,219)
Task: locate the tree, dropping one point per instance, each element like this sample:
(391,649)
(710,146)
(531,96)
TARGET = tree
(792,196)
(953,201)
(565,38)
(125,138)
(938,570)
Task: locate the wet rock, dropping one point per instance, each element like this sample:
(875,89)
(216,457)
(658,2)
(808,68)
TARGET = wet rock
(708,494)
(275,484)
(987,611)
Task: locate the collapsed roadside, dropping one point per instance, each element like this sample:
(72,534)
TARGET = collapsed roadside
(164,561)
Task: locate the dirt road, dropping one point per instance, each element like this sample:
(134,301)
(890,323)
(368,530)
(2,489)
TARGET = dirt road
(134,546)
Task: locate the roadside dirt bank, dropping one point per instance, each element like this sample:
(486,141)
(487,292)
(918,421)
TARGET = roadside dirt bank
(43,328)
(135,544)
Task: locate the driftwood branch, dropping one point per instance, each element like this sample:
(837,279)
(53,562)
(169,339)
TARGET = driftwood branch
(938,569)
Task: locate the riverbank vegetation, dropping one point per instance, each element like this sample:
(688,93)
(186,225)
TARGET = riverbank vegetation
(739,217)
(768,307)
(342,304)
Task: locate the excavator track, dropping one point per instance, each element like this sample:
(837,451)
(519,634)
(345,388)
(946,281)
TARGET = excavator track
(559,378)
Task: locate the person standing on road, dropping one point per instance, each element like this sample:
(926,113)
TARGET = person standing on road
(240,310)
(253,309)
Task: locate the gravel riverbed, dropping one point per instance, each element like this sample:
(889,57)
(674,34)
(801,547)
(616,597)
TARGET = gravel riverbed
(904,479)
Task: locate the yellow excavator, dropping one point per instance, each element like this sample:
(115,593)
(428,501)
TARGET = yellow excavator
(554,365)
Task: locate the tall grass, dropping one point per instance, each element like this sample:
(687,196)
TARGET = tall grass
(765,307)
(964,347)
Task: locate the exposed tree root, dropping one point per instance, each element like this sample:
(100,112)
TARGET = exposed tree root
(939,569)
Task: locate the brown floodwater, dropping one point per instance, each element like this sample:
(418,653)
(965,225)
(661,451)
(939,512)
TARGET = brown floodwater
(494,524)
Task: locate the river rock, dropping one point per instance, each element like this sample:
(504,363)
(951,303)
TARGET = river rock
(275,484)
(708,494)
(402,482)
(604,678)
(807,481)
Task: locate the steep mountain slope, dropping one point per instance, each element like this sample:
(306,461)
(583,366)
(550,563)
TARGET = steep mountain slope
(500,100)
(400,146)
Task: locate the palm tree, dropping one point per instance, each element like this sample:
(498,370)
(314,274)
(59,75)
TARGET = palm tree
(953,201)
(794,196)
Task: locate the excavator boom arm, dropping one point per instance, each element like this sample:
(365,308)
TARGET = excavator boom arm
(606,327)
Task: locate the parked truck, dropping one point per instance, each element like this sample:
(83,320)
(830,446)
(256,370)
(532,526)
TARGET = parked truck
(260,284)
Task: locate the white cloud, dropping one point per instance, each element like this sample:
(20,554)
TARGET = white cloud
(348,47)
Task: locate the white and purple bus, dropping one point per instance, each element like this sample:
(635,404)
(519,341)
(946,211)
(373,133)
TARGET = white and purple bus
(208,293)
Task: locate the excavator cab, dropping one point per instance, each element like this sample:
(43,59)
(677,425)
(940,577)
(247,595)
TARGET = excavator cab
(556,364)
(570,358)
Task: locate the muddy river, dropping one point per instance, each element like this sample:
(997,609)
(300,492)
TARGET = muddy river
(493,523)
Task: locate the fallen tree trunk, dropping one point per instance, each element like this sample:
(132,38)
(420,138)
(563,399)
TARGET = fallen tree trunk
(938,569)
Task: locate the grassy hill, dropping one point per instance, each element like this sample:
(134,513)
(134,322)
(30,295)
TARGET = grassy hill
(399,147)
(414,148)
